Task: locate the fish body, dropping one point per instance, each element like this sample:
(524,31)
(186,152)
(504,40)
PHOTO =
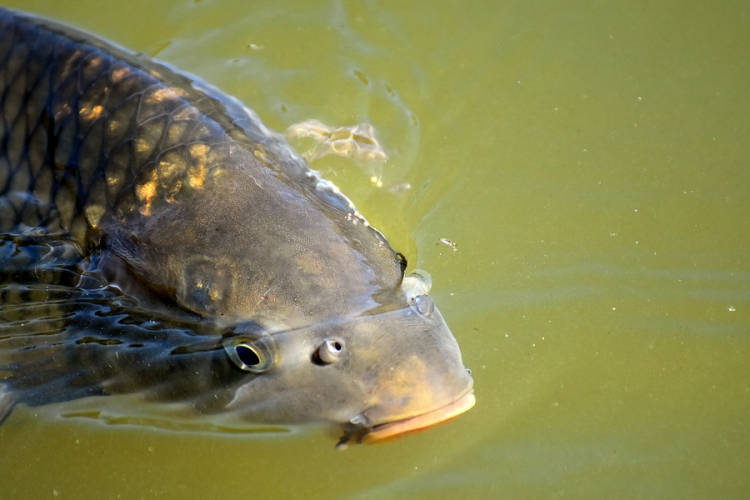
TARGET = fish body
(165,242)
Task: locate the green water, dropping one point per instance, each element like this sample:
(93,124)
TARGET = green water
(590,159)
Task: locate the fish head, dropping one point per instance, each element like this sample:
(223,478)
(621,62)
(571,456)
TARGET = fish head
(390,370)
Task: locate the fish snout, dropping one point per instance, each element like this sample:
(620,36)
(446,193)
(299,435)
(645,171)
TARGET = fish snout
(411,399)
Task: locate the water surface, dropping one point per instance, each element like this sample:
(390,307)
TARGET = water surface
(591,162)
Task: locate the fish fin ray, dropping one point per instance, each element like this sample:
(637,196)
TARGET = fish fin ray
(7,402)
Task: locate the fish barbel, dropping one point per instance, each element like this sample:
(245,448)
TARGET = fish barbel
(157,239)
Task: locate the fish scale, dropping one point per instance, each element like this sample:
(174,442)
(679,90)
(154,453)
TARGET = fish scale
(89,134)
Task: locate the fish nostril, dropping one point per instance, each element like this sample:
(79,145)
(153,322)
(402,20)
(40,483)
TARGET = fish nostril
(329,352)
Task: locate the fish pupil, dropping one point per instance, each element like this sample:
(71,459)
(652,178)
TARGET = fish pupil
(247,355)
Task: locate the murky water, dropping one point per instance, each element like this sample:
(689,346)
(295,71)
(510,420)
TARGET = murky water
(591,162)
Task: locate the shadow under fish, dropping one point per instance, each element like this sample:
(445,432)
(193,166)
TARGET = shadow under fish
(157,239)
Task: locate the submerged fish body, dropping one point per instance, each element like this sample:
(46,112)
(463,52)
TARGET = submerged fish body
(157,238)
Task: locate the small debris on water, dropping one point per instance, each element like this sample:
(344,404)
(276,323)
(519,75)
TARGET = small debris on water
(452,244)
(400,187)
(731,309)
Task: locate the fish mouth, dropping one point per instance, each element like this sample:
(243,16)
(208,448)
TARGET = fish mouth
(388,430)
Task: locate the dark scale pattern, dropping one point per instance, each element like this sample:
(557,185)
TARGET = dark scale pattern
(85,135)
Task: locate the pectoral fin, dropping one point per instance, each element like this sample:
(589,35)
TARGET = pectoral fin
(7,402)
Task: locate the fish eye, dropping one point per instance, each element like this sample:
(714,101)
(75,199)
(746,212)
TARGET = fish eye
(249,357)
(424,305)
(328,352)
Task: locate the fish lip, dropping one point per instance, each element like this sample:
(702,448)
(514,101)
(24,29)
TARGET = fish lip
(386,430)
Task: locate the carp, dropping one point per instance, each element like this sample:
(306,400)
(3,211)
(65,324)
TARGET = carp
(156,238)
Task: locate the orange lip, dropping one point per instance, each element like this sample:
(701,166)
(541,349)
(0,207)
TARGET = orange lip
(385,431)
